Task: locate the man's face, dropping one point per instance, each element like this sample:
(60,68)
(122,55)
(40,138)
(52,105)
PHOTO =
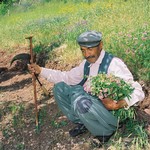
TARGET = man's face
(91,54)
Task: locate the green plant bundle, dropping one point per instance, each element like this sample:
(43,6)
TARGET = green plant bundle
(107,85)
(104,85)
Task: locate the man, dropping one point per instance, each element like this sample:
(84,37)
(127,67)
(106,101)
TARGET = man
(88,112)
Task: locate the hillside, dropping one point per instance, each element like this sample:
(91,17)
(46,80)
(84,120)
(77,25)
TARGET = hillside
(55,26)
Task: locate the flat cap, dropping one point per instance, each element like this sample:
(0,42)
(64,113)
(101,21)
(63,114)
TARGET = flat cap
(89,38)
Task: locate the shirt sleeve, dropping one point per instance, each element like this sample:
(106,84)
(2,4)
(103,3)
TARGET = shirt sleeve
(72,77)
(119,69)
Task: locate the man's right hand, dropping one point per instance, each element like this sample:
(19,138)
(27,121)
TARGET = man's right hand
(34,68)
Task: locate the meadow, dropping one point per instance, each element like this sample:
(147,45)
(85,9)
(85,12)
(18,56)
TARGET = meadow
(125,25)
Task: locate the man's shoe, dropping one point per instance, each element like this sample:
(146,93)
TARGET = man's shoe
(104,139)
(98,141)
(79,129)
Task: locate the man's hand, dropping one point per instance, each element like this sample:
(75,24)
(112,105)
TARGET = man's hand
(34,68)
(111,104)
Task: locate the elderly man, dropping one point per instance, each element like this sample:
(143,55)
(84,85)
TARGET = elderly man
(88,112)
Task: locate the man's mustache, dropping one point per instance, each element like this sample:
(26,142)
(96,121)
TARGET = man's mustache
(89,57)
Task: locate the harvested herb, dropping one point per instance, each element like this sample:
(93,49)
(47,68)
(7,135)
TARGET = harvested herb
(107,85)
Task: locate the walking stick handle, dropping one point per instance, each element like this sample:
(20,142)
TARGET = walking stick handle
(31,51)
(33,80)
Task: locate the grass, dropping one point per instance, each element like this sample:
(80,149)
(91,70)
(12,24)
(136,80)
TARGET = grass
(57,123)
(124,24)
(49,20)
(125,28)
(134,136)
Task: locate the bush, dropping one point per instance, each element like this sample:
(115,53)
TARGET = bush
(3,9)
(5,5)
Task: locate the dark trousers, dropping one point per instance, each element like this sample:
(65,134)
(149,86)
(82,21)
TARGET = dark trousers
(81,107)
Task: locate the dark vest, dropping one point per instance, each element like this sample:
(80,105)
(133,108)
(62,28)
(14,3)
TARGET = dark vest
(103,67)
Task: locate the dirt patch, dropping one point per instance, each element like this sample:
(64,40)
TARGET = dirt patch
(17,116)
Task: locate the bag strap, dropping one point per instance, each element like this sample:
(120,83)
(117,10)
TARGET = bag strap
(86,73)
(103,67)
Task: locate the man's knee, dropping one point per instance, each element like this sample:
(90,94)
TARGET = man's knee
(58,86)
(83,105)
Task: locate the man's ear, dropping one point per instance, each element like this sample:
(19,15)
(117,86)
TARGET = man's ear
(101,45)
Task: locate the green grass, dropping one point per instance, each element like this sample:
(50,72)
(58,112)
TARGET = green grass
(49,20)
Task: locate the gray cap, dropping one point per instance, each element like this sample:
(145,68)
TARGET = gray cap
(89,38)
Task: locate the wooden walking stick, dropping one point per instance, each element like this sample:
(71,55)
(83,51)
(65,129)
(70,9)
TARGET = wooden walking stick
(34,82)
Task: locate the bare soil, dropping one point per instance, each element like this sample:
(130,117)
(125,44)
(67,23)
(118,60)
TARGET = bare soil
(17,111)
